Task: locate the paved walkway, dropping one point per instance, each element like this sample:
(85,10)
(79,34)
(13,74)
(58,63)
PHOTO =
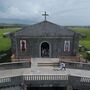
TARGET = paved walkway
(43,70)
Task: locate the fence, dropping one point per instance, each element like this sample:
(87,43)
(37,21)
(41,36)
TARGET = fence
(55,79)
(46,77)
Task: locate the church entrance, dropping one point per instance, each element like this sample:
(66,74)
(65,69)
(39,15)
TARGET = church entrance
(45,49)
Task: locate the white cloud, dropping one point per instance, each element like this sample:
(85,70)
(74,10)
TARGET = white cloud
(60,11)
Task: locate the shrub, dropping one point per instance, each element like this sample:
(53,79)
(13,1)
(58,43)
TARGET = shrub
(5,56)
(88,56)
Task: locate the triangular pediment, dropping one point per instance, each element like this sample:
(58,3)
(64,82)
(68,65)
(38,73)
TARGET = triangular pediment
(45,28)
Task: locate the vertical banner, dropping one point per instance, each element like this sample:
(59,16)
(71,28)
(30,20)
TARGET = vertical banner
(23,45)
(66,46)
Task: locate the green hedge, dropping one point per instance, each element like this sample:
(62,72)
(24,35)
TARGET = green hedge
(88,56)
(5,56)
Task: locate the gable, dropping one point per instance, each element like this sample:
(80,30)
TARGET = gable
(44,29)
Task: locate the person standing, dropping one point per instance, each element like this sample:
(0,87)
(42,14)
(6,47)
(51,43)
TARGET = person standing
(63,66)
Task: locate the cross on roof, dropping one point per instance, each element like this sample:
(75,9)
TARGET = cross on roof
(45,14)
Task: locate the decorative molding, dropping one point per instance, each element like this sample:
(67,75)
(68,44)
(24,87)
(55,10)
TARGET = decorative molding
(42,37)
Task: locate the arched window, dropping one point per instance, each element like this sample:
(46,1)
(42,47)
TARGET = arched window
(66,46)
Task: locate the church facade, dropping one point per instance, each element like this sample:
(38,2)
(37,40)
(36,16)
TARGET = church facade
(44,39)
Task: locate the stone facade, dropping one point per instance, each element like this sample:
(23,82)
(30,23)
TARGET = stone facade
(44,39)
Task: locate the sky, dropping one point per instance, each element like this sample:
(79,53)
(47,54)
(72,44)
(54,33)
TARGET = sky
(62,12)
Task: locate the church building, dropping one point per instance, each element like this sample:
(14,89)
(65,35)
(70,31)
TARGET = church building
(44,39)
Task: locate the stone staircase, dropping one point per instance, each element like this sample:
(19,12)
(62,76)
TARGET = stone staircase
(44,62)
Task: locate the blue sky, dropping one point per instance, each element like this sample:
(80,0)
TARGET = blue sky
(62,12)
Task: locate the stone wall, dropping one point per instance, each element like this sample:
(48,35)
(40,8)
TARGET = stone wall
(15,65)
(33,47)
(11,88)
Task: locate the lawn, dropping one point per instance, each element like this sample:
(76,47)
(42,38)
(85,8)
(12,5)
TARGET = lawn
(84,41)
(5,43)
(7,30)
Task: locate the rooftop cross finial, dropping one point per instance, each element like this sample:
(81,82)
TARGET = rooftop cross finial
(45,15)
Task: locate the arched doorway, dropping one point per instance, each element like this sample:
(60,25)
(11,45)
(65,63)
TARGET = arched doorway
(45,49)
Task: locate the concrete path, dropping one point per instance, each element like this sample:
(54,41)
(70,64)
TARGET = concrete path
(43,70)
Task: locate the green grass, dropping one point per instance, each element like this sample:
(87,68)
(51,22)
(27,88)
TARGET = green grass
(5,43)
(85,31)
(84,41)
(7,30)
